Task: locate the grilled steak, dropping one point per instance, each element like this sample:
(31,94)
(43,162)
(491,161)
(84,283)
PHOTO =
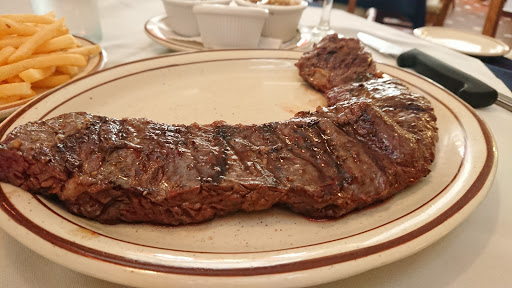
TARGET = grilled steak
(374,139)
(410,111)
(334,62)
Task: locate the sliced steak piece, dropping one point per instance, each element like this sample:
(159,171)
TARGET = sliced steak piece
(359,81)
(410,111)
(336,61)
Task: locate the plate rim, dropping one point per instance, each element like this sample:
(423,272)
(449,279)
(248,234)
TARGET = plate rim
(484,180)
(418,33)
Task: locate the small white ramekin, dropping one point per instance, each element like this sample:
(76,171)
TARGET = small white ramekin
(282,22)
(227,27)
(180,17)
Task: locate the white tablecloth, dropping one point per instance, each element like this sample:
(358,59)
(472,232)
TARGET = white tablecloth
(475,254)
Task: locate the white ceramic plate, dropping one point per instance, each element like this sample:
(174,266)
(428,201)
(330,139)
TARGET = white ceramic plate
(264,249)
(462,41)
(95,63)
(157,30)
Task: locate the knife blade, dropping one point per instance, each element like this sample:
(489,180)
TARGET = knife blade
(470,89)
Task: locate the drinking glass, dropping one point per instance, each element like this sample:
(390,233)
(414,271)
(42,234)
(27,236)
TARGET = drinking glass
(82,16)
(323,28)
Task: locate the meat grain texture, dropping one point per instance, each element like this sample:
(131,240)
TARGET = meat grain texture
(374,139)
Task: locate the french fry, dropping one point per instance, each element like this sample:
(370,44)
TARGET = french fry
(30,18)
(5,53)
(11,89)
(86,50)
(33,75)
(42,61)
(58,43)
(32,94)
(62,31)
(13,41)
(50,14)
(9,99)
(70,70)
(26,49)
(10,27)
(14,98)
(15,79)
(52,81)
(34,55)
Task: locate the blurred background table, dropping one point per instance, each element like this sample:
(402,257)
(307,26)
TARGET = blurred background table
(475,254)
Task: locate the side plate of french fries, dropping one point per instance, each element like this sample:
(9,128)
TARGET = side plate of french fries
(37,54)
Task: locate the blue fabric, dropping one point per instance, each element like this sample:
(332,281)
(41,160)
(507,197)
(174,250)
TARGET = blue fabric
(501,67)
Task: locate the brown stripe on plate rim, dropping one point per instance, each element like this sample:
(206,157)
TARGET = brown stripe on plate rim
(13,104)
(284,249)
(472,191)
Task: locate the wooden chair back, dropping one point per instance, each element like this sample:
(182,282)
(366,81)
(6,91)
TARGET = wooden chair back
(436,12)
(493,17)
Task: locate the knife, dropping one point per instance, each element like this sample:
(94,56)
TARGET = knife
(473,91)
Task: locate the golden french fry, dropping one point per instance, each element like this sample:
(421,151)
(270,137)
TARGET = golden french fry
(12,40)
(86,50)
(15,89)
(10,27)
(70,70)
(42,61)
(32,49)
(15,79)
(5,53)
(30,18)
(52,81)
(62,31)
(9,99)
(50,14)
(14,98)
(26,49)
(33,75)
(62,42)
(32,94)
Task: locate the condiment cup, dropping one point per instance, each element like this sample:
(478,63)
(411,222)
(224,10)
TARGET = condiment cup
(283,20)
(180,17)
(224,26)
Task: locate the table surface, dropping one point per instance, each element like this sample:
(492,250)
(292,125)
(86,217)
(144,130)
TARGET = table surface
(475,254)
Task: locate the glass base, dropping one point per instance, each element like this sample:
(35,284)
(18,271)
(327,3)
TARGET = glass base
(312,35)
(317,34)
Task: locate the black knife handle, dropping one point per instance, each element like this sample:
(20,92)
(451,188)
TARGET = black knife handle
(473,91)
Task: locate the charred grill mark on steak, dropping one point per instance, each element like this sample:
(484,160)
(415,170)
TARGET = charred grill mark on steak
(374,138)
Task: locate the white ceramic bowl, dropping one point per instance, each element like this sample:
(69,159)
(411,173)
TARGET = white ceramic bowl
(180,17)
(224,26)
(282,22)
